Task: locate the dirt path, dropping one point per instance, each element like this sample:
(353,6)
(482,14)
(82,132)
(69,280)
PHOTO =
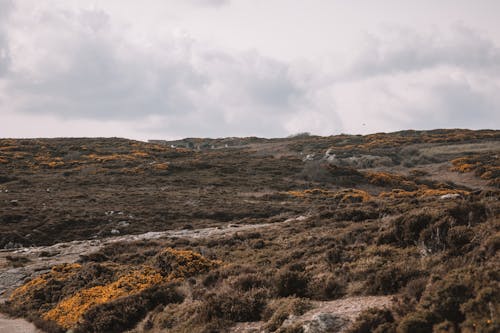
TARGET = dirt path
(10,325)
(328,316)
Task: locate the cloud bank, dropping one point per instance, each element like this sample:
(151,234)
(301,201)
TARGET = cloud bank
(82,70)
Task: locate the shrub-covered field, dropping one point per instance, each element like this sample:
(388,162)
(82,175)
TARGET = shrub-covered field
(345,216)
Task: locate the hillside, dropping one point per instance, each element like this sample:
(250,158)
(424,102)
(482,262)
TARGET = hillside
(400,230)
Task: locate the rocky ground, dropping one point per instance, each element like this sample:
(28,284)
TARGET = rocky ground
(386,232)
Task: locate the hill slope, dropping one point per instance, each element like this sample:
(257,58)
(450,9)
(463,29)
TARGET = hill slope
(410,214)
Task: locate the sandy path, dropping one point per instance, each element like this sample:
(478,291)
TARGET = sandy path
(10,325)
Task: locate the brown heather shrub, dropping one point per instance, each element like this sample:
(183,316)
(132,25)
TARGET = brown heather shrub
(483,310)
(417,322)
(249,281)
(335,255)
(371,319)
(326,287)
(234,305)
(415,288)
(458,237)
(289,282)
(445,296)
(278,310)
(492,245)
(178,317)
(356,214)
(407,228)
(444,327)
(465,300)
(390,278)
(323,172)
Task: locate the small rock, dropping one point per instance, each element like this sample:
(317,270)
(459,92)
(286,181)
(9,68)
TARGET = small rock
(325,322)
(309,157)
(123,224)
(11,245)
(449,196)
(298,218)
(115,231)
(14,202)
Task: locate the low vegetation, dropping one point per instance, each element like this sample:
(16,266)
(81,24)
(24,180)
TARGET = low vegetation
(426,233)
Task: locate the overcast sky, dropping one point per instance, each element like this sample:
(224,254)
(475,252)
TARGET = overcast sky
(215,68)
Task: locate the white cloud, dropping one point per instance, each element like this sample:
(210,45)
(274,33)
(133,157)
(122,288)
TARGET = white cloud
(81,68)
(440,97)
(403,79)
(76,66)
(405,50)
(210,3)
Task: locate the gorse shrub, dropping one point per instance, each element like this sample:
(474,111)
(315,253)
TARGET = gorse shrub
(106,298)
(182,263)
(67,312)
(124,313)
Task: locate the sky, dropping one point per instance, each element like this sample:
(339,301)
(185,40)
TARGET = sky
(169,69)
